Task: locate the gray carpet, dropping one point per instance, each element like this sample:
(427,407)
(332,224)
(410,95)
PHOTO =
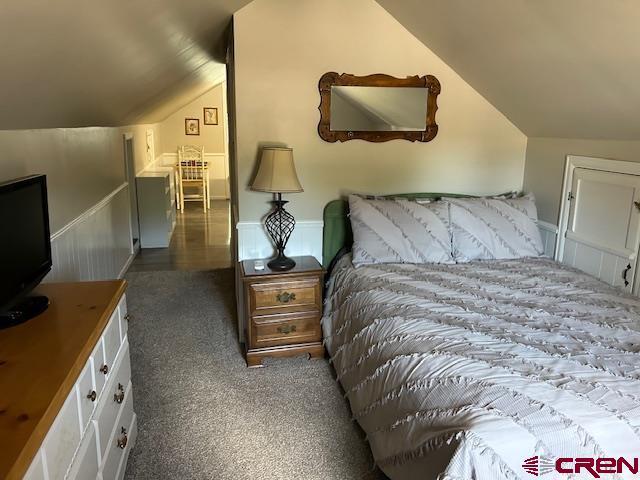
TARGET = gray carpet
(203,415)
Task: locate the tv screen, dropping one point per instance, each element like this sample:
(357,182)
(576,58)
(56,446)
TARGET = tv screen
(25,245)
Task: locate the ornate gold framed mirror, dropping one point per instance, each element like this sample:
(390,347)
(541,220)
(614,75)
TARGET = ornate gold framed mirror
(378,108)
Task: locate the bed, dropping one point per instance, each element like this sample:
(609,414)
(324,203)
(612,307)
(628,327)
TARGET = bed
(495,369)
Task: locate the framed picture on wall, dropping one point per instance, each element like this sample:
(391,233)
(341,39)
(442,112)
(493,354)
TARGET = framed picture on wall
(210,116)
(192,126)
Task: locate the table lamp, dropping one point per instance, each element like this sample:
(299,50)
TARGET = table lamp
(277,174)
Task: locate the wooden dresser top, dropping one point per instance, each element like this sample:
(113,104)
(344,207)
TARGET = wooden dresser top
(41,360)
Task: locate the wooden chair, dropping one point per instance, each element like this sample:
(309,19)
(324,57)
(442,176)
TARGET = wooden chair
(193,173)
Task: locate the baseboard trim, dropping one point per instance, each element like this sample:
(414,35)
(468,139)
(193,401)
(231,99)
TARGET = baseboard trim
(128,263)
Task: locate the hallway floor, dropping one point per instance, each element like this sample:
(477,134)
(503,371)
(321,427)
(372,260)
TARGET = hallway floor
(200,241)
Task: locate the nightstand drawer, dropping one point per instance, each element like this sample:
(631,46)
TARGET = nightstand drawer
(301,295)
(285,330)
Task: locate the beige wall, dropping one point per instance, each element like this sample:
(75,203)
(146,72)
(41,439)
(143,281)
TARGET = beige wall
(83,165)
(141,157)
(282,48)
(544,168)
(171,129)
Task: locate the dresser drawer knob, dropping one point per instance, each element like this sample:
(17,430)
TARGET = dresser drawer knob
(285,297)
(92,395)
(287,329)
(122,441)
(104,369)
(119,397)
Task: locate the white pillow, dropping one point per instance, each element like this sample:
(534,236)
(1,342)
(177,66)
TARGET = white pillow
(399,231)
(492,228)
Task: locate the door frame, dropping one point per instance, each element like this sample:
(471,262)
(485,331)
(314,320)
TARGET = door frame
(129,172)
(591,163)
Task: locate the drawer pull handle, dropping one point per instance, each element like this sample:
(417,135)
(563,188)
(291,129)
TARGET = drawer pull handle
(104,369)
(92,395)
(122,442)
(119,397)
(127,317)
(285,297)
(287,329)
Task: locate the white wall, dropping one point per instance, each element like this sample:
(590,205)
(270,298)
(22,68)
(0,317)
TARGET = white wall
(283,47)
(88,197)
(544,168)
(143,157)
(83,165)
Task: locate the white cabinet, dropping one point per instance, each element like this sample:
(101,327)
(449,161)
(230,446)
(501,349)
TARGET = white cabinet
(36,470)
(600,222)
(96,427)
(156,209)
(86,464)
(63,439)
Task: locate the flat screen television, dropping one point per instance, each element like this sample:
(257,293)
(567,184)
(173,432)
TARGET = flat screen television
(25,248)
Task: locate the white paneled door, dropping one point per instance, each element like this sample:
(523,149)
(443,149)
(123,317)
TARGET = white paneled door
(603,228)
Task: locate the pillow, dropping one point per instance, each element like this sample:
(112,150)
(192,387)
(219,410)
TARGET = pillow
(492,228)
(399,231)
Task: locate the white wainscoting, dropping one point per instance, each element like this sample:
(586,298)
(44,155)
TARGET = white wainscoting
(218,172)
(254,242)
(549,233)
(97,244)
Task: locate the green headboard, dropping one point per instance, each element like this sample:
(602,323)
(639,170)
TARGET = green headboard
(337,228)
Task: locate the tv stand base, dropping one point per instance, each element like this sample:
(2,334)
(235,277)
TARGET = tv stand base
(24,310)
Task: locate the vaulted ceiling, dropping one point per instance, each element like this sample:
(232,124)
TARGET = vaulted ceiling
(556,68)
(68,63)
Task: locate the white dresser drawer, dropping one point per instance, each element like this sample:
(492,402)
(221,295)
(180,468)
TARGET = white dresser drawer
(85,466)
(132,435)
(36,470)
(124,318)
(112,398)
(87,394)
(119,442)
(63,438)
(100,368)
(111,338)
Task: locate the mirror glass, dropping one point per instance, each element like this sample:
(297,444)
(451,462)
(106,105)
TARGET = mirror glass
(367,109)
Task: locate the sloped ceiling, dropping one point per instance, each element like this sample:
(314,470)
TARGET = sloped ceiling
(69,63)
(555,68)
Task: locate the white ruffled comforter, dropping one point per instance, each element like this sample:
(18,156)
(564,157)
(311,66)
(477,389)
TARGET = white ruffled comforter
(464,371)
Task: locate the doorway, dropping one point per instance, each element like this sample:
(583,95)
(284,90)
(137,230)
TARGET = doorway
(130,174)
(199,237)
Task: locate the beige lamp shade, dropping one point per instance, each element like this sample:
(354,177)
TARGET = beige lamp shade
(276,172)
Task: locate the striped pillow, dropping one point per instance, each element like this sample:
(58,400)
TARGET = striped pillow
(399,231)
(492,228)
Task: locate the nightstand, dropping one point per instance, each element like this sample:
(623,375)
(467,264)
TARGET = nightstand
(283,310)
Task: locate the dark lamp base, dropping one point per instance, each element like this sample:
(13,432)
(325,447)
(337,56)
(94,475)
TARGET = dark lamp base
(281,263)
